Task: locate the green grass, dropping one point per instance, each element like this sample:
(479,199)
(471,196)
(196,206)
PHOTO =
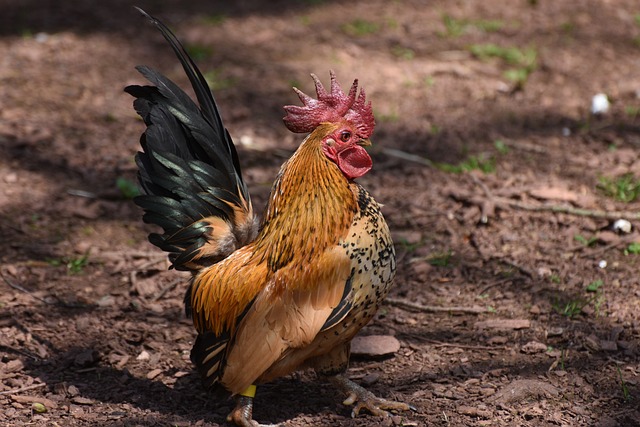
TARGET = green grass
(128,188)
(500,146)
(214,20)
(595,286)
(625,188)
(440,259)
(199,52)
(584,240)
(216,81)
(429,81)
(633,248)
(485,164)
(570,308)
(391,116)
(632,111)
(625,389)
(523,62)
(403,52)
(360,27)
(74,265)
(409,247)
(568,27)
(456,27)
(574,306)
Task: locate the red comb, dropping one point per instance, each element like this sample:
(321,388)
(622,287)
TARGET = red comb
(330,107)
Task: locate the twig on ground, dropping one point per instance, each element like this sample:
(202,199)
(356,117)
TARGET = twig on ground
(166,289)
(612,215)
(434,309)
(22,289)
(604,248)
(21,389)
(513,264)
(503,202)
(465,346)
(407,156)
(495,283)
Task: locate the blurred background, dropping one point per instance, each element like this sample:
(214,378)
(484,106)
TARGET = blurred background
(505,154)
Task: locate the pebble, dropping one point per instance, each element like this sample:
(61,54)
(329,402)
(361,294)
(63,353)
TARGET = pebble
(533,347)
(79,400)
(622,226)
(144,355)
(375,345)
(11,178)
(14,366)
(599,104)
(153,374)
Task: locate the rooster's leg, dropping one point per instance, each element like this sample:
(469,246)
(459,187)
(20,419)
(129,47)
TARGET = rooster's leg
(242,414)
(364,399)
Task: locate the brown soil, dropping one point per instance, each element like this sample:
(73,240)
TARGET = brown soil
(91,321)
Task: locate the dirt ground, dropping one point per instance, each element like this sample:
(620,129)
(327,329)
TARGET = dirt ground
(498,183)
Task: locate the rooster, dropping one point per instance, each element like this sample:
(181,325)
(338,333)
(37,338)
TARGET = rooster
(289,292)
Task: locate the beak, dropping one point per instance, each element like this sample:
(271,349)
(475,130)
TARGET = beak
(364,142)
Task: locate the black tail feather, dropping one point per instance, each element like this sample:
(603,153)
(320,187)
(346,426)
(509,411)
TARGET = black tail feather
(189,168)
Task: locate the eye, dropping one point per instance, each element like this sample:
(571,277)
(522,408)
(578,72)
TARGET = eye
(345,136)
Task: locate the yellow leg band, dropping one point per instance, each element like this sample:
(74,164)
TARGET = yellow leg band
(249,392)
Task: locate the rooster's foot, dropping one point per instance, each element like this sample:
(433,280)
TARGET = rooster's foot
(364,399)
(242,414)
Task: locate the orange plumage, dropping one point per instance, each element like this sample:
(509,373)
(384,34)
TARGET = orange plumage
(292,291)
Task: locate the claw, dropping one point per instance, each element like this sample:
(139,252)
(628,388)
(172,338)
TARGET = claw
(364,399)
(242,413)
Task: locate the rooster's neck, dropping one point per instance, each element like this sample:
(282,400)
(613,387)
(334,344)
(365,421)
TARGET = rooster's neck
(310,208)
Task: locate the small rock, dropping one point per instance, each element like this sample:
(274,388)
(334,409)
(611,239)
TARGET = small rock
(79,400)
(48,403)
(514,324)
(599,104)
(497,340)
(370,379)
(622,226)
(154,373)
(375,345)
(555,331)
(520,390)
(11,178)
(144,355)
(14,366)
(76,410)
(106,301)
(533,347)
(73,391)
(41,37)
(474,412)
(544,272)
(86,358)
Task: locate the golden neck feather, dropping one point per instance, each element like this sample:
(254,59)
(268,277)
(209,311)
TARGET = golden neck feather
(310,208)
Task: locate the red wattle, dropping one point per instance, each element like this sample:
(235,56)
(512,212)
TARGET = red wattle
(354,161)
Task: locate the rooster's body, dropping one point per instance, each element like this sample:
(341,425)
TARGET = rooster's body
(291,292)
